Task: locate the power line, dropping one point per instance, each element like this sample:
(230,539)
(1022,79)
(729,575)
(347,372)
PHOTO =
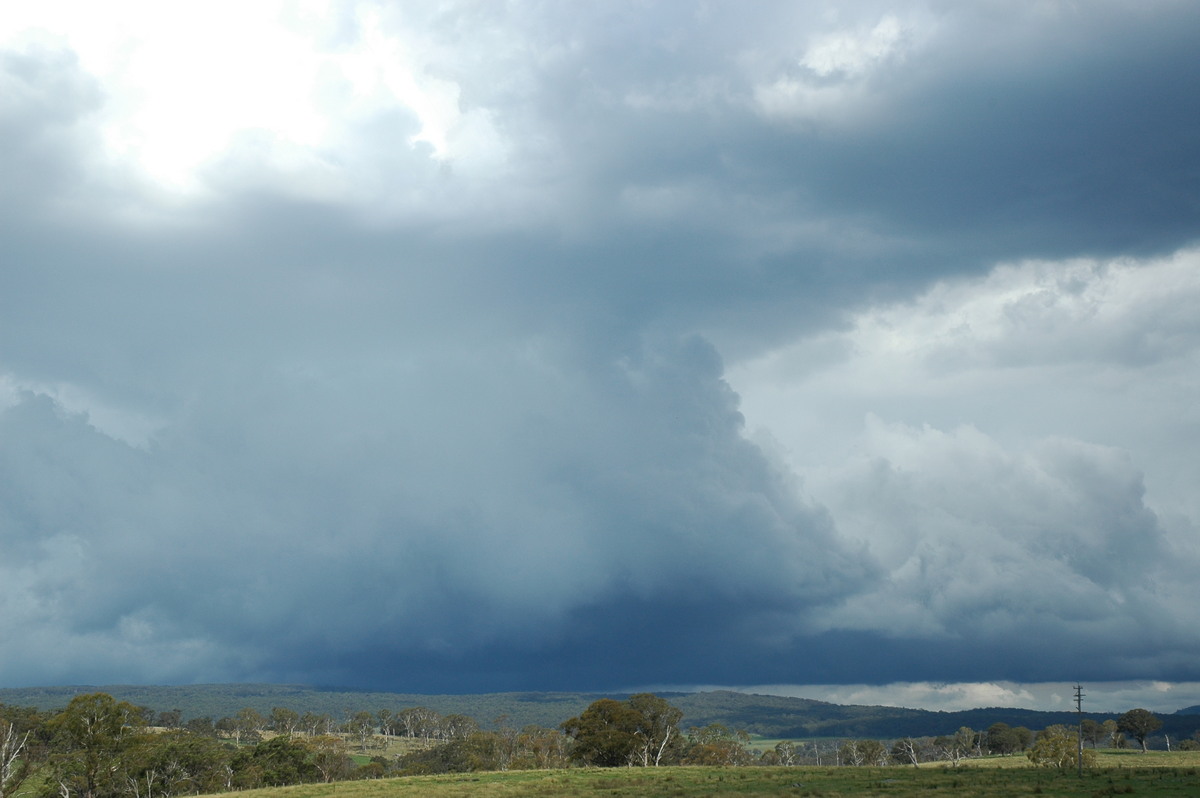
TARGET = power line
(1079,709)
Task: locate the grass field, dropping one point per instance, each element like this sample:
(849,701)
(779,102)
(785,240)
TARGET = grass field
(1106,759)
(751,782)
(1120,772)
(1132,758)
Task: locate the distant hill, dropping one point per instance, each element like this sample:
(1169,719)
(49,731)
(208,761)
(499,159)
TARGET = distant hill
(224,700)
(796,718)
(1189,710)
(769,716)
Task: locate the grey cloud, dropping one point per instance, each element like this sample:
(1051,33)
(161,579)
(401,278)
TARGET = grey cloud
(47,100)
(964,159)
(1027,151)
(468,429)
(998,137)
(453,503)
(988,547)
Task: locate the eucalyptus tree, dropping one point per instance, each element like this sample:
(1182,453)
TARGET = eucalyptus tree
(642,730)
(658,730)
(1139,724)
(717,744)
(285,720)
(605,734)
(176,763)
(1058,747)
(88,742)
(361,725)
(15,763)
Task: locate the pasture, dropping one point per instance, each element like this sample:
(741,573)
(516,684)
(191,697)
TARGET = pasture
(1142,776)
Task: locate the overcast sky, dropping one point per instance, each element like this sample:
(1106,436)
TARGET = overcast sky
(472,346)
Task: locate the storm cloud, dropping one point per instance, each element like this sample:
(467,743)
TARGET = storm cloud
(483,346)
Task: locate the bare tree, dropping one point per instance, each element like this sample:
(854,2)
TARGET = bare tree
(285,720)
(858,753)
(420,722)
(315,724)
(13,768)
(330,756)
(362,726)
(907,750)
(458,726)
(786,751)
(387,723)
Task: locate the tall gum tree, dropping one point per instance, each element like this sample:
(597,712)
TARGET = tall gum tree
(88,739)
(14,768)
(1139,724)
(658,730)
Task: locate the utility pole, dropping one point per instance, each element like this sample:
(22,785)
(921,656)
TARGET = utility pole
(1079,727)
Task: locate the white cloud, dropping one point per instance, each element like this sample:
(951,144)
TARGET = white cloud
(1015,479)
(1104,352)
(981,542)
(854,53)
(832,80)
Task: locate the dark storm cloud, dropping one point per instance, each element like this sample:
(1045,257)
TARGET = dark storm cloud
(1000,136)
(437,425)
(529,502)
(1038,155)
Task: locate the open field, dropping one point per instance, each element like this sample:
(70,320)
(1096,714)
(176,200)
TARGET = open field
(749,782)
(1134,758)
(1106,759)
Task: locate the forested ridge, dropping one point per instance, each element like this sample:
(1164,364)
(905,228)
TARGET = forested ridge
(764,715)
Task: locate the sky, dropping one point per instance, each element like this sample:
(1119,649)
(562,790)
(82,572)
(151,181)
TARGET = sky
(480,346)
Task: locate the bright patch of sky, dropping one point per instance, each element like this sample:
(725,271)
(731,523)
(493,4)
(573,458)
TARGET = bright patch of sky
(186,86)
(1112,697)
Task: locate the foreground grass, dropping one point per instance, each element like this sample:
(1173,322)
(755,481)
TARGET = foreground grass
(750,782)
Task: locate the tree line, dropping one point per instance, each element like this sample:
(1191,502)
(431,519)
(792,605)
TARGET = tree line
(1055,746)
(98,747)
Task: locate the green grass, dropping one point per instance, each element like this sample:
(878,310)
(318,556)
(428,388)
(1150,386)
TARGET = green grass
(1106,759)
(1134,758)
(752,782)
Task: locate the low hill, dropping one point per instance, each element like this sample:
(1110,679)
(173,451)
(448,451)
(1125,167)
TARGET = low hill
(765,715)
(795,718)
(224,700)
